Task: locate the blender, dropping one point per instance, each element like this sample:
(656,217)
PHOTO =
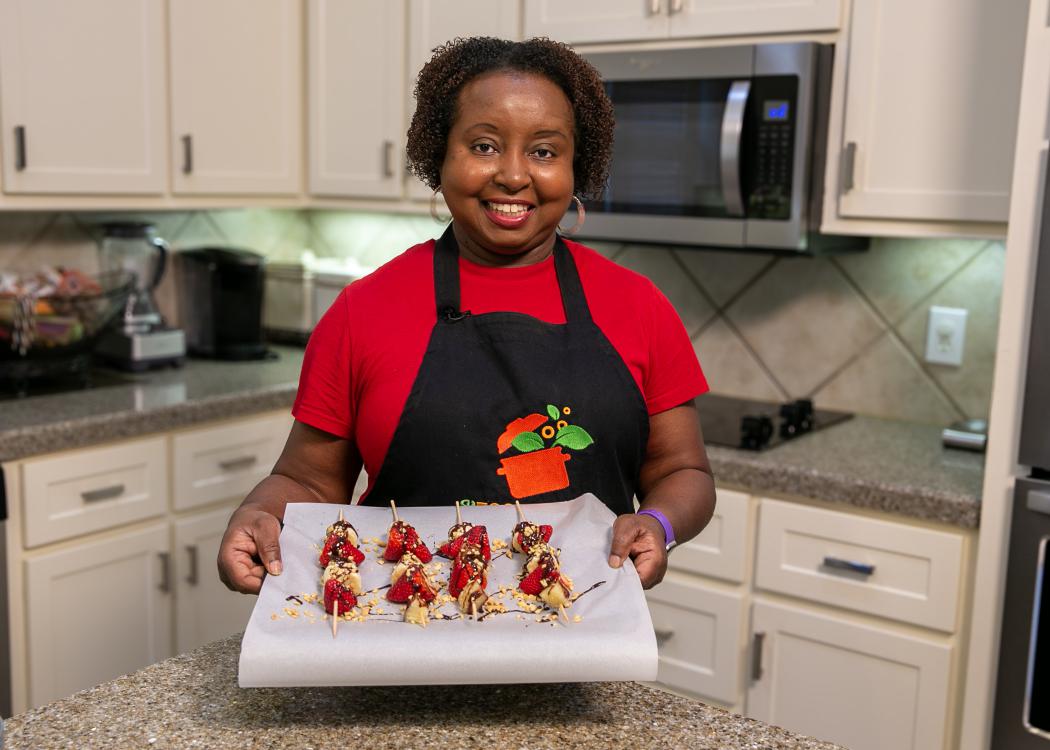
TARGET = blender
(138,339)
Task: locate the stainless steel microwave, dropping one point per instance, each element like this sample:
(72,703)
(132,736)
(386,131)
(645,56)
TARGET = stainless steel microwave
(717,147)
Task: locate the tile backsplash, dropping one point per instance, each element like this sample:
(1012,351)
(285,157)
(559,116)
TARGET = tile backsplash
(846,330)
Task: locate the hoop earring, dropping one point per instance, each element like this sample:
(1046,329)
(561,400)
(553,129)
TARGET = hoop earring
(581,217)
(434,208)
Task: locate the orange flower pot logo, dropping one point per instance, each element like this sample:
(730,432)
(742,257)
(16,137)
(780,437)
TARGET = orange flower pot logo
(538,467)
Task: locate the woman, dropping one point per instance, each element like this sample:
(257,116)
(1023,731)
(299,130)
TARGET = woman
(500,362)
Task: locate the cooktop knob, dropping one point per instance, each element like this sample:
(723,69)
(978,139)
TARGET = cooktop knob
(796,418)
(755,432)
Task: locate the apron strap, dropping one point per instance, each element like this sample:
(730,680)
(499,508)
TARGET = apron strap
(446,280)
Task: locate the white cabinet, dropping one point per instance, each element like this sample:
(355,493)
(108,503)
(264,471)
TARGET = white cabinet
(236,96)
(698,632)
(931,100)
(431,23)
(863,687)
(356,97)
(82,96)
(207,610)
(97,610)
(636,20)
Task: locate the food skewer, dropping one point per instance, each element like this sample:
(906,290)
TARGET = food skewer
(521,513)
(335,616)
(393,509)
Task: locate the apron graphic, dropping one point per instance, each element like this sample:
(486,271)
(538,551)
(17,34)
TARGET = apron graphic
(537,468)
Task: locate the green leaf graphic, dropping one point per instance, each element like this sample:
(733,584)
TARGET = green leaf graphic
(528,441)
(553,411)
(573,437)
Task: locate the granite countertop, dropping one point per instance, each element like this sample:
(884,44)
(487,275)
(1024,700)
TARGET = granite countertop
(884,465)
(194,701)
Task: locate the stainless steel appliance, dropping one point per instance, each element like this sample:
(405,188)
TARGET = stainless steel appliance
(296,298)
(720,146)
(1022,700)
(139,338)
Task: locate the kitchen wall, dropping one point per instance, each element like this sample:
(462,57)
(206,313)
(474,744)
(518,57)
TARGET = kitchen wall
(848,330)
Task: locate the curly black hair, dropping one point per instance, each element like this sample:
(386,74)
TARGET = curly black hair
(458,62)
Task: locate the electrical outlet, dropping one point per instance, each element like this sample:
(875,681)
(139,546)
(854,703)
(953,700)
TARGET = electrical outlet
(945,334)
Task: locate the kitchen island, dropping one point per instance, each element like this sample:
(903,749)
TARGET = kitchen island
(194,701)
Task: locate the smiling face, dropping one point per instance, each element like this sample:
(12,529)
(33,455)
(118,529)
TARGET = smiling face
(507,175)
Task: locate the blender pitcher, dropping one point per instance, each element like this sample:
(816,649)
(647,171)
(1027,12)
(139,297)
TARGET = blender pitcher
(135,247)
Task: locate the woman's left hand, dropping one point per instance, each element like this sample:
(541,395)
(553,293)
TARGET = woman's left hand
(642,539)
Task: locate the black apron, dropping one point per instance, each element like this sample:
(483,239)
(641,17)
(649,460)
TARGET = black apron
(507,407)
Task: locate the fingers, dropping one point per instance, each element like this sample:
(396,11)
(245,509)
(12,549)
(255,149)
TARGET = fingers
(625,531)
(267,531)
(651,565)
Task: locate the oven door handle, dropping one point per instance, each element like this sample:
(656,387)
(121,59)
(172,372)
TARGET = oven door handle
(729,148)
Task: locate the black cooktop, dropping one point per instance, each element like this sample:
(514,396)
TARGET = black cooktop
(759,425)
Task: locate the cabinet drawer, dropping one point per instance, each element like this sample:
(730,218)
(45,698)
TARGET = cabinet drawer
(720,550)
(901,572)
(71,494)
(226,461)
(699,633)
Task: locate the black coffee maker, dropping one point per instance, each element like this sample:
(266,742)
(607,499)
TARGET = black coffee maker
(220,294)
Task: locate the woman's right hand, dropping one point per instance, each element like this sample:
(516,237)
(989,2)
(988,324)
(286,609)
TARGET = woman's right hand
(249,549)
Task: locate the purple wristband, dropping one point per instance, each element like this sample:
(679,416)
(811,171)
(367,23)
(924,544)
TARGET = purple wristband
(668,531)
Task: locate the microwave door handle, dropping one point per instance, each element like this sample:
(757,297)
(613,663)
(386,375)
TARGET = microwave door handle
(729,149)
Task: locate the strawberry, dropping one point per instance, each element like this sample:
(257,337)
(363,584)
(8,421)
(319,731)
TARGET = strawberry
(334,591)
(458,579)
(533,582)
(545,531)
(396,540)
(421,585)
(451,549)
(401,591)
(479,535)
(421,551)
(338,548)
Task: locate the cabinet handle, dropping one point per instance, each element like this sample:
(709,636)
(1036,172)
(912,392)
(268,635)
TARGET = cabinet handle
(849,160)
(663,636)
(103,493)
(388,158)
(20,148)
(852,566)
(653,6)
(187,154)
(192,579)
(165,572)
(238,463)
(676,6)
(757,641)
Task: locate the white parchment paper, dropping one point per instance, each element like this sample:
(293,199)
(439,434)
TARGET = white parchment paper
(613,641)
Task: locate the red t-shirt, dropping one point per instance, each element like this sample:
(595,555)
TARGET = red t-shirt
(364,354)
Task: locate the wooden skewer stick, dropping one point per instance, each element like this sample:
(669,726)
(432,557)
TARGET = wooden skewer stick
(521,513)
(563,613)
(459,518)
(393,509)
(341,519)
(426,616)
(335,616)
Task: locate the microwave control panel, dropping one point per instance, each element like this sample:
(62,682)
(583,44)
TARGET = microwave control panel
(770,146)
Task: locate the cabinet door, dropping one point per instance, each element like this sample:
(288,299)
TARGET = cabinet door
(722,549)
(236,96)
(356,92)
(597,20)
(82,96)
(728,17)
(856,685)
(96,611)
(699,631)
(207,610)
(931,108)
(431,23)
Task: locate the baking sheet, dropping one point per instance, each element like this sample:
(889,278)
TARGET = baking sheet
(613,639)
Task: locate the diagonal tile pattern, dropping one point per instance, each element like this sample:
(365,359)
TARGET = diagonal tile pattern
(848,329)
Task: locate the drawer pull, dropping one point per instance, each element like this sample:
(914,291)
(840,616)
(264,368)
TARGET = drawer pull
(238,463)
(663,636)
(192,578)
(757,641)
(853,567)
(165,572)
(103,493)
(20,148)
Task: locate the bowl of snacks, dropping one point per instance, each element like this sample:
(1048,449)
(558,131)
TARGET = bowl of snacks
(57,312)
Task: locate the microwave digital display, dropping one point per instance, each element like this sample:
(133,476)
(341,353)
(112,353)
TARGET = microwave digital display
(775,111)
